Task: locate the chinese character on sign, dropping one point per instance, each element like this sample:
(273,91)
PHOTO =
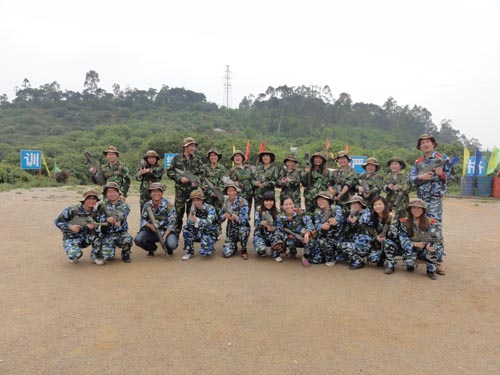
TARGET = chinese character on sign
(168,159)
(357,163)
(31,159)
(471,163)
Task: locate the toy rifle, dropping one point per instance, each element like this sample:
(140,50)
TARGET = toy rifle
(267,217)
(327,215)
(158,234)
(295,235)
(192,211)
(352,212)
(427,237)
(98,176)
(364,184)
(83,220)
(195,180)
(431,167)
(308,164)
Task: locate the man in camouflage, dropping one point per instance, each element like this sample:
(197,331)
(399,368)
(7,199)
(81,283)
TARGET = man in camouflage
(396,184)
(243,176)
(114,170)
(289,179)
(150,171)
(185,161)
(113,211)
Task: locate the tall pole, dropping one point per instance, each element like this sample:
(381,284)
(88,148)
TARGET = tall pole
(227,86)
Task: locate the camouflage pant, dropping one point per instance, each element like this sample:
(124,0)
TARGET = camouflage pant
(410,259)
(435,211)
(235,233)
(74,246)
(387,250)
(147,240)
(323,249)
(291,246)
(104,247)
(181,200)
(355,250)
(205,238)
(261,240)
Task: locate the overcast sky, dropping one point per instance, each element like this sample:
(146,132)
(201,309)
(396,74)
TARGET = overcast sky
(440,54)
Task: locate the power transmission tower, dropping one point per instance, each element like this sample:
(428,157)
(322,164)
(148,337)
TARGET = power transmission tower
(227,86)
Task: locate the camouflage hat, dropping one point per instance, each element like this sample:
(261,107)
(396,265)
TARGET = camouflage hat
(401,162)
(268,196)
(324,194)
(111,149)
(290,157)
(113,185)
(151,153)
(266,152)
(90,193)
(311,159)
(197,194)
(372,161)
(229,184)
(157,186)
(214,151)
(426,136)
(238,152)
(342,154)
(357,199)
(417,202)
(188,141)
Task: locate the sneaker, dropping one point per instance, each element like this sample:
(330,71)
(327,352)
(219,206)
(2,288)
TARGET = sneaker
(151,253)
(330,264)
(431,275)
(278,259)
(389,270)
(98,261)
(73,260)
(356,266)
(244,256)
(187,256)
(410,268)
(305,262)
(126,257)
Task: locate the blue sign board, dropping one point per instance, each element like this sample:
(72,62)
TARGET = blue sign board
(168,159)
(471,163)
(357,163)
(31,159)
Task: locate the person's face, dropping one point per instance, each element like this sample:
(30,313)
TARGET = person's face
(156,195)
(232,193)
(152,160)
(111,157)
(343,161)
(191,148)
(290,165)
(417,211)
(378,206)
(370,168)
(198,203)
(112,194)
(238,159)
(318,160)
(268,204)
(395,166)
(266,159)
(357,206)
(426,145)
(90,202)
(288,206)
(213,158)
(322,202)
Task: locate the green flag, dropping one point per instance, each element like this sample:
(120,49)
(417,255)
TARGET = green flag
(494,160)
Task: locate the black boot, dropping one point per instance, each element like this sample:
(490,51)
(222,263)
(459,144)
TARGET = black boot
(126,256)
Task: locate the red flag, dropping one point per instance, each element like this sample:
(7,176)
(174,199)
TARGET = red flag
(262,147)
(347,148)
(327,146)
(247,151)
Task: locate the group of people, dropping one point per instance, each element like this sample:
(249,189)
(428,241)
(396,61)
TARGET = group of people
(358,219)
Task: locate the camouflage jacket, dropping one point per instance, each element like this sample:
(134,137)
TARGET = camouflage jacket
(119,173)
(338,178)
(154,176)
(436,187)
(400,179)
(214,175)
(313,182)
(119,211)
(261,231)
(238,207)
(405,238)
(374,181)
(291,187)
(321,216)
(206,219)
(164,214)
(192,164)
(299,223)
(362,229)
(243,177)
(63,220)
(269,176)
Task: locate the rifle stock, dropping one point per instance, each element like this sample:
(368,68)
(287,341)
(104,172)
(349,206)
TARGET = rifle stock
(99,177)
(158,234)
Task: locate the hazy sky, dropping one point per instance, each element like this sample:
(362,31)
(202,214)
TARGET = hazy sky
(440,54)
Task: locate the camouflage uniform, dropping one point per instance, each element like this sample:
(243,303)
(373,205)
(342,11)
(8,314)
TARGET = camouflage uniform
(192,164)
(299,223)
(166,219)
(147,179)
(235,231)
(387,250)
(313,182)
(400,179)
(214,175)
(262,238)
(324,245)
(269,176)
(117,172)
(243,178)
(204,230)
(112,236)
(338,178)
(290,188)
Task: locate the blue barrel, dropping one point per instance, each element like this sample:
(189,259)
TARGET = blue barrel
(484,186)
(468,186)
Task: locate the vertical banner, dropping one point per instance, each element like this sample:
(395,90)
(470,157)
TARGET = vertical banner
(31,159)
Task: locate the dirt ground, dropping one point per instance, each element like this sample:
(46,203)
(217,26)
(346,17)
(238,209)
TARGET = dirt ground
(229,316)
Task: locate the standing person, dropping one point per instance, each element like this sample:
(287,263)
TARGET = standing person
(114,170)
(300,227)
(421,237)
(185,161)
(266,176)
(243,176)
(396,184)
(113,211)
(357,241)
(341,180)
(314,179)
(77,224)
(150,171)
(289,179)
(429,176)
(164,213)
(214,172)
(369,184)
(235,211)
(267,228)
(201,226)
(328,225)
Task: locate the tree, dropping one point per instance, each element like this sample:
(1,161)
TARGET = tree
(91,82)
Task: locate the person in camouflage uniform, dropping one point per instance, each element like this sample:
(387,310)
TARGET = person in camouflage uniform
(243,176)
(385,243)
(341,180)
(78,236)
(313,179)
(396,184)
(371,178)
(235,211)
(165,216)
(300,224)
(185,161)
(414,226)
(214,172)
(357,241)
(429,176)
(267,229)
(266,176)
(150,171)
(289,179)
(328,230)
(113,211)
(114,170)
(201,226)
